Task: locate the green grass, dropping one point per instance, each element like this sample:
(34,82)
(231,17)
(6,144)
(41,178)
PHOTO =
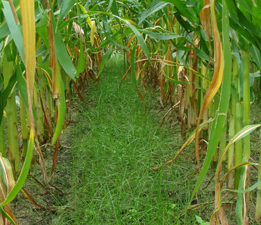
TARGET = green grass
(114,145)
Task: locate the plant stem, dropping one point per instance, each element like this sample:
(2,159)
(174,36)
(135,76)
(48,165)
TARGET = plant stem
(24,124)
(238,144)
(2,138)
(11,120)
(246,100)
(258,200)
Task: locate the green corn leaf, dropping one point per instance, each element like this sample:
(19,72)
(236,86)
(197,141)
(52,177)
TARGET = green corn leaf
(243,133)
(61,104)
(239,205)
(162,36)
(43,19)
(138,35)
(63,56)
(5,93)
(132,27)
(15,30)
(185,10)
(21,84)
(153,8)
(116,35)
(242,25)
(60,48)
(114,8)
(108,36)
(65,8)
(105,59)
(110,5)
(9,87)
(255,53)
(253,187)
(184,23)
(4,31)
(43,33)
(81,62)
(201,222)
(256,12)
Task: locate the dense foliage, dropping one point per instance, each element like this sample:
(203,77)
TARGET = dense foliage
(203,56)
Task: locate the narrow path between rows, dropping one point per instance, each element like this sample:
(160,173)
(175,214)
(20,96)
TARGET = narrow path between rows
(114,144)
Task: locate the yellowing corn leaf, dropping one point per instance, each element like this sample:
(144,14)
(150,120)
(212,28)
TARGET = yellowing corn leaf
(28,22)
(7,183)
(183,147)
(205,14)
(218,214)
(217,76)
(158,21)
(131,21)
(89,21)
(28,25)
(93,31)
(204,18)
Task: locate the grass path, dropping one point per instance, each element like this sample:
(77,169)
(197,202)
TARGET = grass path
(114,145)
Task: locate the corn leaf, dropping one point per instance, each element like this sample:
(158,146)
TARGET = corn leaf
(21,84)
(4,31)
(81,62)
(255,53)
(63,56)
(28,22)
(23,175)
(5,93)
(93,32)
(184,9)
(105,59)
(107,32)
(138,35)
(184,146)
(218,123)
(7,216)
(14,29)
(153,8)
(240,200)
(61,104)
(252,188)
(65,8)
(7,182)
(162,36)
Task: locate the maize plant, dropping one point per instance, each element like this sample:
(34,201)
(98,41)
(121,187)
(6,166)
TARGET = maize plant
(203,57)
